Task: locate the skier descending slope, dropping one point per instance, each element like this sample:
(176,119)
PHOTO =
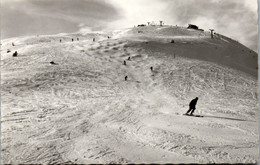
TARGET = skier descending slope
(192,106)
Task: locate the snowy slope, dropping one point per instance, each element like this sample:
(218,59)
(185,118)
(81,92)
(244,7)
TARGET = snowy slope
(83,111)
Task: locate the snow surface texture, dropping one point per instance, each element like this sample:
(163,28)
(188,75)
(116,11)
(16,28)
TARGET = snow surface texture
(82,110)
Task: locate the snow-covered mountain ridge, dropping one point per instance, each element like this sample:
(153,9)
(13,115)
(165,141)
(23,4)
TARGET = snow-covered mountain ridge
(82,110)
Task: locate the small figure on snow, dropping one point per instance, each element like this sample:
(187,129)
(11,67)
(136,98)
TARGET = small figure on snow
(72,39)
(53,63)
(125,78)
(128,58)
(151,68)
(60,40)
(94,39)
(124,62)
(15,54)
(192,106)
(13,44)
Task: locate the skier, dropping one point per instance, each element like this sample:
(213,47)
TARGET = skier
(124,63)
(72,39)
(128,58)
(125,78)
(151,68)
(53,63)
(192,106)
(15,54)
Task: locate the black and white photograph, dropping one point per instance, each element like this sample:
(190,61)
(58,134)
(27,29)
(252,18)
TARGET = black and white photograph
(129,82)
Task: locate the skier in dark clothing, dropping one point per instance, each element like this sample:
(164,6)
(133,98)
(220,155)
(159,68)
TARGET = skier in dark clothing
(53,63)
(192,106)
(15,54)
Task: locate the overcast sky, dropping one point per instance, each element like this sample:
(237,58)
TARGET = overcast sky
(234,18)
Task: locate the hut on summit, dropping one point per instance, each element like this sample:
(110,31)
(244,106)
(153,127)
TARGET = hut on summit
(193,27)
(141,25)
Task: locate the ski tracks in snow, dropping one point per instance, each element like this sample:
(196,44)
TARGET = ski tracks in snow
(83,111)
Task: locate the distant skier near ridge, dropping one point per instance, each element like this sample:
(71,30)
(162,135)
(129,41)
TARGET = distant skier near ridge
(192,106)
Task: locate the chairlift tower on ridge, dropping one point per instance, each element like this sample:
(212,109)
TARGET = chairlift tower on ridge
(161,23)
(211,30)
